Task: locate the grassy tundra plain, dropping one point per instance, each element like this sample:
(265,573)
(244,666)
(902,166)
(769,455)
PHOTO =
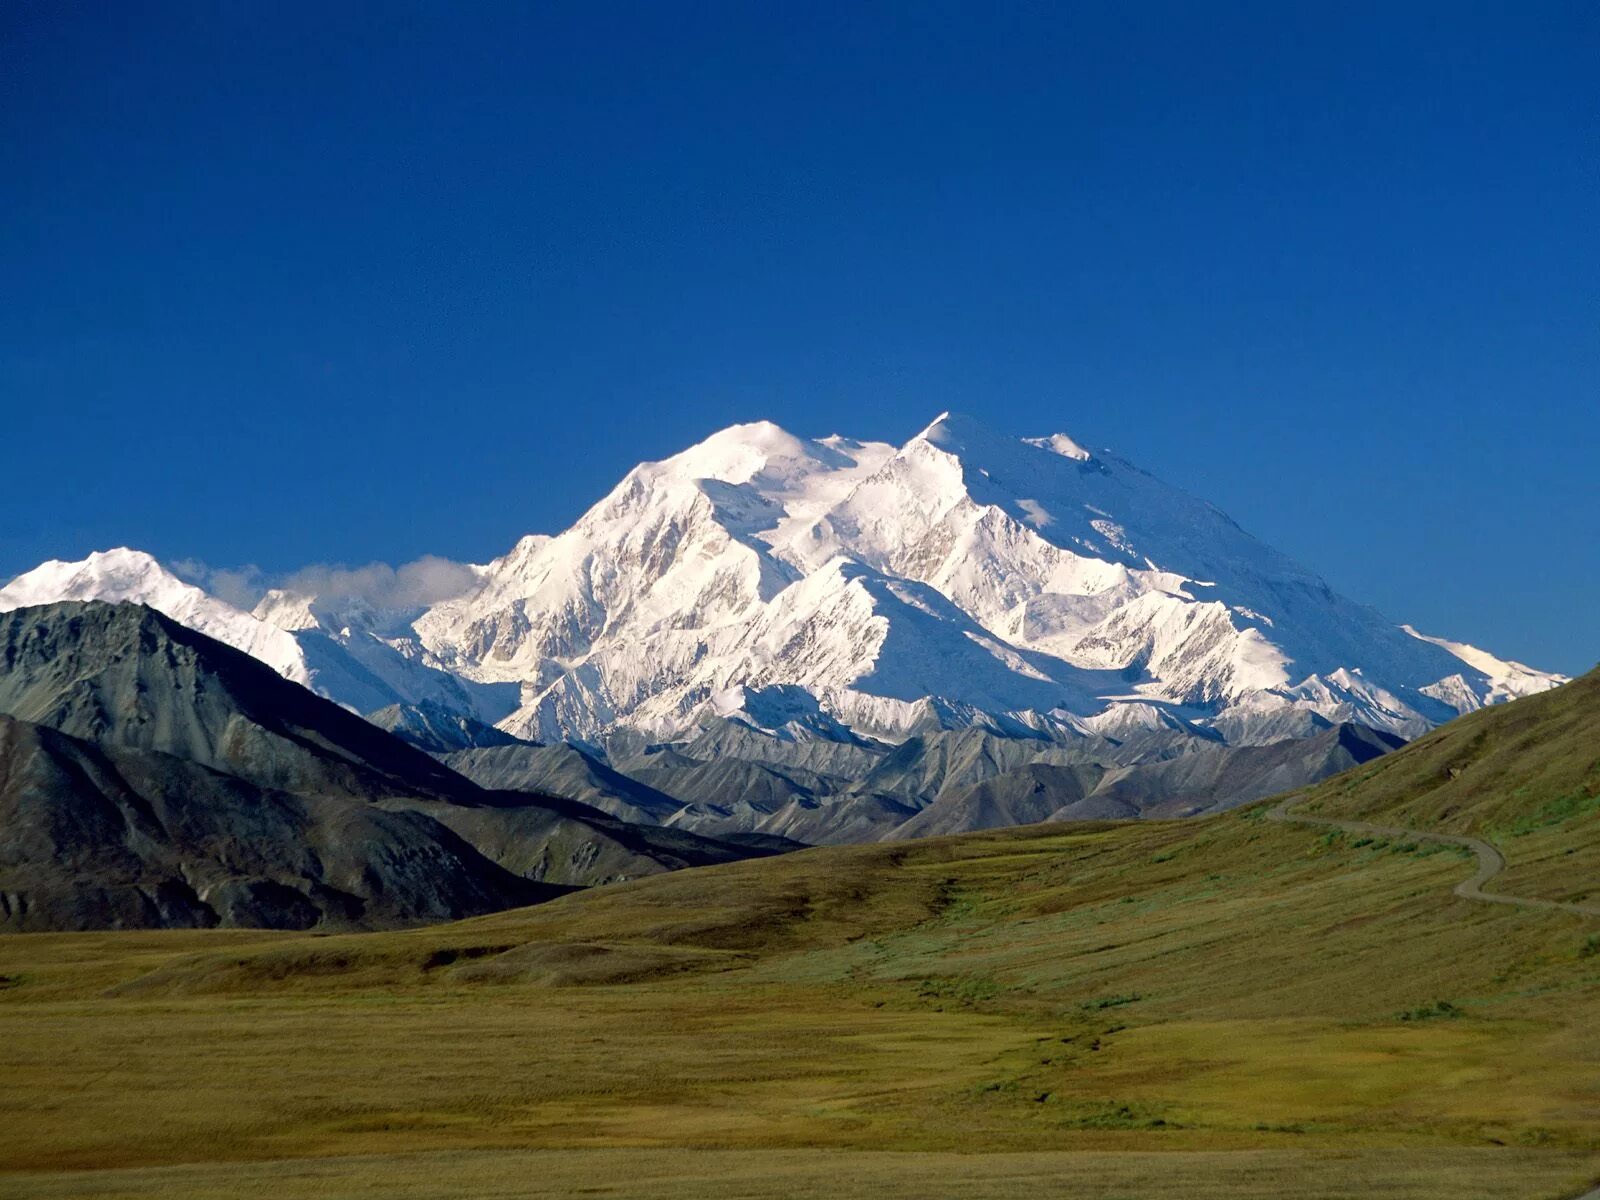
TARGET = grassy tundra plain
(1226,1007)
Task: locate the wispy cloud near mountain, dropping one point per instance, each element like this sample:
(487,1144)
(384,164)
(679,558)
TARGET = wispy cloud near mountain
(424,582)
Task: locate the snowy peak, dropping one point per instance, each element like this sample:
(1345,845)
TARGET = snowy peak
(1002,577)
(132,576)
(339,616)
(779,483)
(1060,443)
(291,611)
(741,453)
(1511,679)
(115,575)
(968,438)
(345,652)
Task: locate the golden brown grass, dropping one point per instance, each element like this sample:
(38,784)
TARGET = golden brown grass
(848,1175)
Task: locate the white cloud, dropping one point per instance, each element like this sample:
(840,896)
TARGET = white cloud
(238,586)
(428,580)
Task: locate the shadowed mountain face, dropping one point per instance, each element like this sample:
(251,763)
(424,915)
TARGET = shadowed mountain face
(734,781)
(126,675)
(955,781)
(437,729)
(562,770)
(112,836)
(150,776)
(1200,781)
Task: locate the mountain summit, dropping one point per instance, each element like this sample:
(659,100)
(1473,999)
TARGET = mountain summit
(806,586)
(840,590)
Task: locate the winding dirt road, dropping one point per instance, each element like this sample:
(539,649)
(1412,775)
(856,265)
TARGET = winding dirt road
(1490,861)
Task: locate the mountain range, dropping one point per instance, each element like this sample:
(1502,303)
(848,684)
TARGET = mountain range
(757,629)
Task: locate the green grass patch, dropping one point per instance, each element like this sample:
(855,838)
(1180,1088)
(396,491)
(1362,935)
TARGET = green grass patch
(1438,1010)
(960,991)
(1552,813)
(1105,1002)
(1110,1116)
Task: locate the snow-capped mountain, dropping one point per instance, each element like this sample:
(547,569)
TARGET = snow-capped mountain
(837,589)
(964,578)
(118,576)
(362,658)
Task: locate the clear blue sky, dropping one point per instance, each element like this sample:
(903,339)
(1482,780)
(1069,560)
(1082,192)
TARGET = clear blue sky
(293,283)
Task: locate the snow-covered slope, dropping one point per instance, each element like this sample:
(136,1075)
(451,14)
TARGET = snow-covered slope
(965,577)
(117,576)
(840,590)
(368,658)
(358,657)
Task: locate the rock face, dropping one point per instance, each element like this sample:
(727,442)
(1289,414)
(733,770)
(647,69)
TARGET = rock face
(437,729)
(1200,781)
(562,770)
(151,776)
(955,781)
(128,676)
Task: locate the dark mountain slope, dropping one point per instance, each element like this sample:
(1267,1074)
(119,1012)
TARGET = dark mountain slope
(1227,776)
(180,753)
(565,842)
(439,730)
(1200,781)
(124,674)
(1034,792)
(98,837)
(732,783)
(923,767)
(562,770)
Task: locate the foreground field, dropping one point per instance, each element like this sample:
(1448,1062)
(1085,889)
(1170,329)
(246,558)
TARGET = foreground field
(1227,1007)
(845,1175)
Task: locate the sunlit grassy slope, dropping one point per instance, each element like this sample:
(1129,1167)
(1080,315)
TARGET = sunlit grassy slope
(1220,1007)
